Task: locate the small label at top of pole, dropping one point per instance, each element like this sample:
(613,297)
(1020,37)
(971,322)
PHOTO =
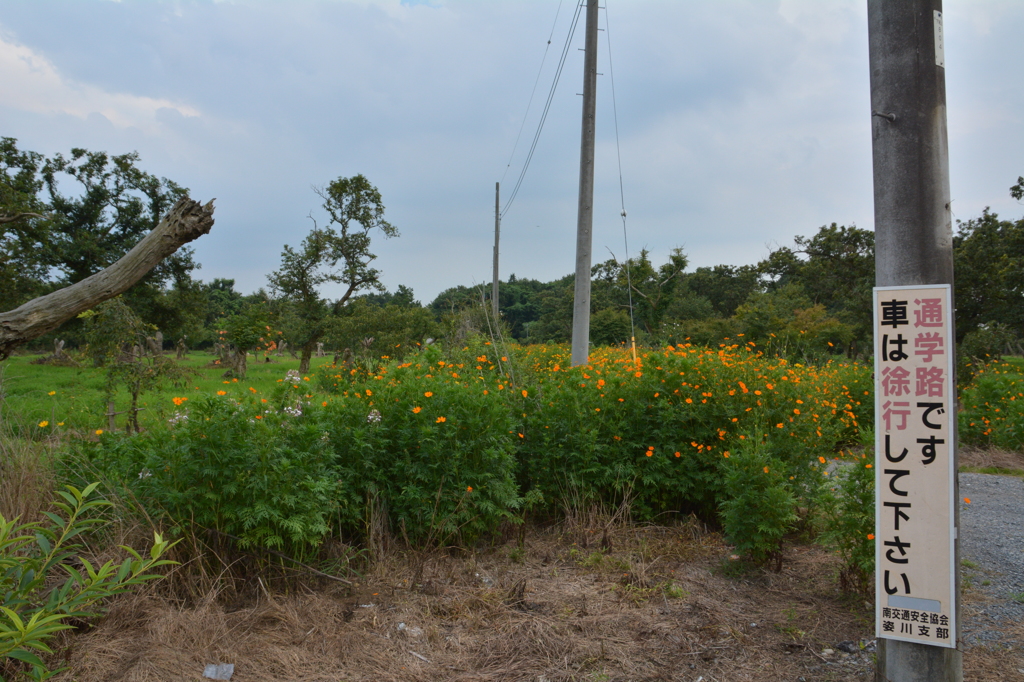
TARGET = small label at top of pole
(940,46)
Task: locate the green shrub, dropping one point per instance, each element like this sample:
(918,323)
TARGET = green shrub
(993,403)
(759,505)
(847,518)
(261,474)
(434,443)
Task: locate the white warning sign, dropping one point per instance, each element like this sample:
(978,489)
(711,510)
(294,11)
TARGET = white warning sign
(915,405)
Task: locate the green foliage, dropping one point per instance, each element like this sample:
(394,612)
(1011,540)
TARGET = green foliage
(391,330)
(993,406)
(23,225)
(988,257)
(759,505)
(117,338)
(1017,191)
(846,505)
(985,344)
(50,237)
(35,555)
(661,434)
(239,467)
(434,440)
(787,324)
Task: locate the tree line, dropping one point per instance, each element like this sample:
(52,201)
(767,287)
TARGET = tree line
(63,218)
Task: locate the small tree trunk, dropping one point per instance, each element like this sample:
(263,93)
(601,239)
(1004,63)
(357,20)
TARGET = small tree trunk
(307,354)
(240,363)
(133,411)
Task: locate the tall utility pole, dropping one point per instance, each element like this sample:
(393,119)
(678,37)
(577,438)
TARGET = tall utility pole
(585,214)
(913,223)
(497,229)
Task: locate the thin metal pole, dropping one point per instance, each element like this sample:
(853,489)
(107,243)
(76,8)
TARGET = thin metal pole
(497,230)
(585,213)
(913,223)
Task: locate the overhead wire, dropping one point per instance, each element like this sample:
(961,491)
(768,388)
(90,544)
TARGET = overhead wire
(536,82)
(547,107)
(622,193)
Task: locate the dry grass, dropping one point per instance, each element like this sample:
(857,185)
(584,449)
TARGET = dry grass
(26,479)
(972,458)
(662,604)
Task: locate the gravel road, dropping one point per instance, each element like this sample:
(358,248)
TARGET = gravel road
(992,551)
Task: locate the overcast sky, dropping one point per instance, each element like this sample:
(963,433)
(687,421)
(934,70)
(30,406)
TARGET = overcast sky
(741,123)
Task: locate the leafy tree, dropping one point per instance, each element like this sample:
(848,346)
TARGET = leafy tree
(336,254)
(653,289)
(834,269)
(118,204)
(518,303)
(403,297)
(454,299)
(23,225)
(724,286)
(1017,191)
(391,330)
(246,331)
(554,303)
(118,339)
(988,259)
(787,323)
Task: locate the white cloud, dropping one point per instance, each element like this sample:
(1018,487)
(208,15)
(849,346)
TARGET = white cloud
(31,83)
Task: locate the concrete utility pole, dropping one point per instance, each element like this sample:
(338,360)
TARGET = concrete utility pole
(497,229)
(913,223)
(585,214)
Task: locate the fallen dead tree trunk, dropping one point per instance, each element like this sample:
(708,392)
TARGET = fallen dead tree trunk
(186,221)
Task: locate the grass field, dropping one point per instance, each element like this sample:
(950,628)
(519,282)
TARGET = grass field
(71,399)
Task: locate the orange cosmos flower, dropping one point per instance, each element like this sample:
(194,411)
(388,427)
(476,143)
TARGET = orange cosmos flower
(416,410)
(441,420)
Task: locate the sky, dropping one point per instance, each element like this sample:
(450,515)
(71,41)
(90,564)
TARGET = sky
(741,123)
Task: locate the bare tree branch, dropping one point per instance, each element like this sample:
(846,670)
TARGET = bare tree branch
(4,219)
(186,221)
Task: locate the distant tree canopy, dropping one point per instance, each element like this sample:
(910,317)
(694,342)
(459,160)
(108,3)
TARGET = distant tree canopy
(64,218)
(808,300)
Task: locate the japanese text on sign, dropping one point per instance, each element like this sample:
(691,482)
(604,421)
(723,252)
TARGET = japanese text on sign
(914,411)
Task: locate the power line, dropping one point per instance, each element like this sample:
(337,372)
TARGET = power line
(533,92)
(547,107)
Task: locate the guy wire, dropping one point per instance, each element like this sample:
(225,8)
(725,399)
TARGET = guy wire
(622,194)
